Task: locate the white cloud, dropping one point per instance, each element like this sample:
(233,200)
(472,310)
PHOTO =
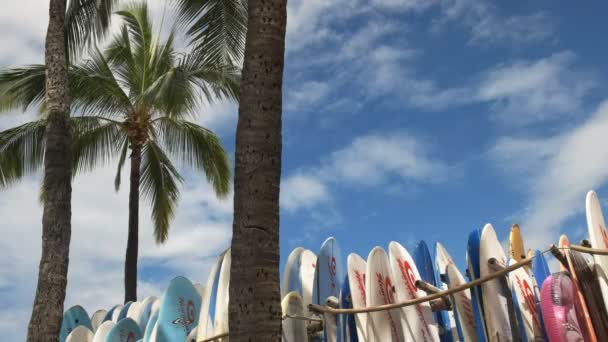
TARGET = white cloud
(557,173)
(302,191)
(405,5)
(306,95)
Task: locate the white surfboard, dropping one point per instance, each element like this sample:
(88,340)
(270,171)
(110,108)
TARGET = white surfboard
(417,320)
(291,272)
(382,325)
(598,236)
(307,277)
(356,268)
(134,310)
(204,317)
(192,336)
(80,334)
(496,295)
(145,311)
(220,322)
(525,300)
(442,260)
(200,288)
(116,313)
(97,318)
(294,330)
(103,330)
(462,304)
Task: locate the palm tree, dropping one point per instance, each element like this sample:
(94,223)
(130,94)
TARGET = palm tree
(255,308)
(137,95)
(71,26)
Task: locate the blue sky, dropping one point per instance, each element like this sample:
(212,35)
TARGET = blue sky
(403,120)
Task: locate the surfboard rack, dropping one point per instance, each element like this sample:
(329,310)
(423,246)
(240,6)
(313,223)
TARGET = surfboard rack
(557,253)
(495,265)
(440,304)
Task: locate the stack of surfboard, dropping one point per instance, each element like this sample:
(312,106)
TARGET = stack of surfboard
(527,304)
(182,313)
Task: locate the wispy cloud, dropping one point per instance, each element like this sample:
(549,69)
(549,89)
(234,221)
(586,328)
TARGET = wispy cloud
(556,173)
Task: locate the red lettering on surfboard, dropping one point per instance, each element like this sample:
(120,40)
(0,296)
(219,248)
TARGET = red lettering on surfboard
(386,292)
(407,275)
(467,309)
(528,295)
(604,235)
(360,277)
(131,337)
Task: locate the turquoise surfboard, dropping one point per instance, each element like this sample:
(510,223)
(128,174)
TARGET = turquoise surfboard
(127,330)
(328,277)
(150,326)
(179,311)
(72,318)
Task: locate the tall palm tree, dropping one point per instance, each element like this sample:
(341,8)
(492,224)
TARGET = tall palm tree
(255,308)
(71,26)
(137,95)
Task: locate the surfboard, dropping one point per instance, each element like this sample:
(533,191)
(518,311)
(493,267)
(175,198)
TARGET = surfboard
(204,315)
(291,273)
(379,290)
(540,270)
(150,327)
(517,251)
(498,310)
(123,311)
(598,236)
(200,288)
(116,313)
(579,301)
(126,330)
(97,318)
(563,242)
(192,336)
(294,330)
(442,259)
(356,267)
(347,322)
(328,276)
(416,320)
(80,334)
(558,309)
(110,313)
(220,323)
(602,279)
(472,256)
(462,305)
(103,330)
(179,311)
(72,318)
(145,311)
(428,273)
(308,265)
(527,311)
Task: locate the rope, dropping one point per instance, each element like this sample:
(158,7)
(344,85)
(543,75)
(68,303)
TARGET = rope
(214,338)
(589,250)
(302,318)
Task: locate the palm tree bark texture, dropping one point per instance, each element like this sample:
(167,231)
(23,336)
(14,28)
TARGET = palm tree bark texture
(255,308)
(47,311)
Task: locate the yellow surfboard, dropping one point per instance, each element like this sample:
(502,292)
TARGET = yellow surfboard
(516,244)
(563,242)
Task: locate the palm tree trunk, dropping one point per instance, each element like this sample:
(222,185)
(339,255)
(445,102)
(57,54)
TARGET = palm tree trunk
(133,238)
(255,303)
(47,311)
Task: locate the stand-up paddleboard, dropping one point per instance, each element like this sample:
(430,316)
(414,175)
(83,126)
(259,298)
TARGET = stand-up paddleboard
(204,315)
(123,311)
(462,305)
(327,280)
(426,267)
(103,330)
(498,310)
(80,334)
(559,312)
(220,322)
(307,277)
(294,330)
(179,311)
(125,331)
(347,322)
(145,311)
(442,260)
(357,267)
(72,318)
(97,318)
(473,273)
(592,292)
(379,290)
(526,305)
(579,300)
(540,269)
(150,327)
(416,320)
(291,273)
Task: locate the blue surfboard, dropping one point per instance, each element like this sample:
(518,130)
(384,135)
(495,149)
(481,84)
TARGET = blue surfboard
(126,330)
(108,316)
(474,273)
(72,318)
(328,275)
(540,269)
(123,312)
(347,322)
(428,273)
(150,326)
(179,311)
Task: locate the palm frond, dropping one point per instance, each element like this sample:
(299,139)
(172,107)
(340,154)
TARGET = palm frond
(95,141)
(160,185)
(121,162)
(217,27)
(21,151)
(22,88)
(197,147)
(86,21)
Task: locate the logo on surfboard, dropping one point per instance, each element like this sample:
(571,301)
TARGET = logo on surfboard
(407,274)
(186,314)
(385,286)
